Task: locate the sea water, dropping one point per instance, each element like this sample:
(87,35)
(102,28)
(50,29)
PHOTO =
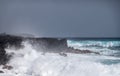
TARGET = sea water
(31,62)
(103,46)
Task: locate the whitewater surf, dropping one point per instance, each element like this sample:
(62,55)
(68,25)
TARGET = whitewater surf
(33,61)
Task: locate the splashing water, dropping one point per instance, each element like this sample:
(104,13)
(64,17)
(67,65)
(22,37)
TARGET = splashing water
(31,62)
(104,47)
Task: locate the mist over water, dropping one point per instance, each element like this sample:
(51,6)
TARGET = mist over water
(31,62)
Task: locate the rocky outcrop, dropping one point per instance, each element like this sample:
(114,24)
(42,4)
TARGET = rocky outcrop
(8,41)
(7,67)
(63,54)
(3,55)
(78,51)
(1,71)
(46,44)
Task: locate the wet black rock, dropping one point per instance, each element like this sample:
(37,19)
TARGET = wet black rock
(5,42)
(78,51)
(46,44)
(63,54)
(1,71)
(10,41)
(7,67)
(3,56)
(49,44)
(55,45)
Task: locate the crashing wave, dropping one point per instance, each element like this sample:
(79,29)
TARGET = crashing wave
(30,62)
(103,47)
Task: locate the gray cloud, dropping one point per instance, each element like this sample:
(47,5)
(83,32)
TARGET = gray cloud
(60,18)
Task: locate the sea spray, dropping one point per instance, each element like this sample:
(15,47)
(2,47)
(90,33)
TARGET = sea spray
(30,62)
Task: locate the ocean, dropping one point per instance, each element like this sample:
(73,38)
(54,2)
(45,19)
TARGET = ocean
(31,62)
(103,46)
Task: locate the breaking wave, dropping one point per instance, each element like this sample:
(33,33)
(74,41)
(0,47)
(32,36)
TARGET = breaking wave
(31,62)
(91,43)
(107,47)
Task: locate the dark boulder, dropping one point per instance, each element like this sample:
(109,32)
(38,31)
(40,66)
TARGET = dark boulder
(63,54)
(1,71)
(7,67)
(8,41)
(49,44)
(3,57)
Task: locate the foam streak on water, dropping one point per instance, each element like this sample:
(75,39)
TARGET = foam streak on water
(30,62)
(104,47)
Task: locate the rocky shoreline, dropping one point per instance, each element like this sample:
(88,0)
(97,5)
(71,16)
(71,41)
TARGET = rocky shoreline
(55,45)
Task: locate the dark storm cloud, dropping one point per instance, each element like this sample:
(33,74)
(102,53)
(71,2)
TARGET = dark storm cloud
(61,18)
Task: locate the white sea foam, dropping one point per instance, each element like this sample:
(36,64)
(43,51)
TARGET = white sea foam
(93,43)
(103,47)
(29,62)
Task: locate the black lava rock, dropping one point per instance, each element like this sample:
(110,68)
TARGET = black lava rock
(1,71)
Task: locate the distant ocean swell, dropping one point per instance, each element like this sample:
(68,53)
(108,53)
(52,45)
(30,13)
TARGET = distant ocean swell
(28,61)
(104,47)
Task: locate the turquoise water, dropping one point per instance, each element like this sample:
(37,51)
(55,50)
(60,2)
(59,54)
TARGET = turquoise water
(106,47)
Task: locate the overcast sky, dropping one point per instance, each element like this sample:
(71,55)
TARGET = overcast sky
(61,18)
